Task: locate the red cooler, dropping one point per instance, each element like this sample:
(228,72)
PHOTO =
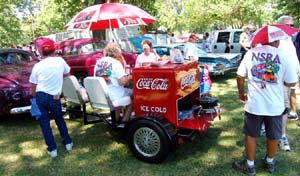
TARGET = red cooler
(171,90)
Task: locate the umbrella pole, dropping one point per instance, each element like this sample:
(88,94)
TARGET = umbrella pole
(111,34)
(110,31)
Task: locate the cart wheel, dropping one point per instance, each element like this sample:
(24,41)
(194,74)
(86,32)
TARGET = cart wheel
(148,142)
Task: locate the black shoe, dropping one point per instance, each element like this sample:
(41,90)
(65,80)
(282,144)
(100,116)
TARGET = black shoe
(243,167)
(293,117)
(269,166)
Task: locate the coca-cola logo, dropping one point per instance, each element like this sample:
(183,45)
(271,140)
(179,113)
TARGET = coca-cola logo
(152,83)
(187,80)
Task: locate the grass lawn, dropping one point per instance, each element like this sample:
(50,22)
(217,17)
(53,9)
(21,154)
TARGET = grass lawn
(100,151)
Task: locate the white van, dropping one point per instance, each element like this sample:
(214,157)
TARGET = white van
(219,37)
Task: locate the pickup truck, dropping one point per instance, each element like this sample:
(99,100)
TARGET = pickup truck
(219,37)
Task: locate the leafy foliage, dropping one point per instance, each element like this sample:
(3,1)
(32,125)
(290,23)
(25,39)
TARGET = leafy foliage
(204,15)
(10,26)
(290,8)
(23,20)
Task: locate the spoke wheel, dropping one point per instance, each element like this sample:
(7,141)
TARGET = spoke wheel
(148,141)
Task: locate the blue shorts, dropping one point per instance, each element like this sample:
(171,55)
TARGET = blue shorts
(273,125)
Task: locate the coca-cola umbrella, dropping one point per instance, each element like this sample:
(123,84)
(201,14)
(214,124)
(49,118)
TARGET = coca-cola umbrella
(270,33)
(108,16)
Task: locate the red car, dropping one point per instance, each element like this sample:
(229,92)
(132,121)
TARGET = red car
(82,54)
(15,69)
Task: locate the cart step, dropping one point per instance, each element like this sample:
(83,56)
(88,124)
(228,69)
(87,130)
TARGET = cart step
(122,125)
(186,134)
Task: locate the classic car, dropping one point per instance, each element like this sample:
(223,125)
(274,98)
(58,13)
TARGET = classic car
(218,63)
(15,69)
(82,54)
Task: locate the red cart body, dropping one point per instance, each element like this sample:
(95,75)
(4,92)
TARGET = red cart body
(162,90)
(167,106)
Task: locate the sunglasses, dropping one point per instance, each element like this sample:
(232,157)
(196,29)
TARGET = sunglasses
(291,25)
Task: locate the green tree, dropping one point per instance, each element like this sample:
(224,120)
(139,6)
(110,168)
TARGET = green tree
(23,20)
(290,8)
(204,15)
(10,28)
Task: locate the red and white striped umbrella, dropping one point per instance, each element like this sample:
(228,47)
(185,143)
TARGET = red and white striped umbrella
(108,16)
(271,33)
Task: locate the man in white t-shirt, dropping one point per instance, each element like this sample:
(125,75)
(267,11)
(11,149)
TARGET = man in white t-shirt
(190,49)
(47,80)
(205,43)
(267,69)
(243,41)
(289,92)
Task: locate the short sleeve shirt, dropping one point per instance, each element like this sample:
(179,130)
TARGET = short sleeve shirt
(267,68)
(190,49)
(48,75)
(142,58)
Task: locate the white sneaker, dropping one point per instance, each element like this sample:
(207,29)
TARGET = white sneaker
(284,144)
(69,147)
(262,132)
(53,153)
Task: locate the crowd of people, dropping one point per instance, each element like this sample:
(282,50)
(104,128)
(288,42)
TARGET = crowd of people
(268,103)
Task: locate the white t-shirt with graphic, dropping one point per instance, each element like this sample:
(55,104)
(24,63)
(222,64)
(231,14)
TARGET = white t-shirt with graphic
(112,70)
(267,68)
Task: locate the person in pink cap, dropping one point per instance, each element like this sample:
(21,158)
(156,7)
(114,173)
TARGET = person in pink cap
(190,49)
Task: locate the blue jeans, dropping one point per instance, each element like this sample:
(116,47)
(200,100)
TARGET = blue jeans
(50,106)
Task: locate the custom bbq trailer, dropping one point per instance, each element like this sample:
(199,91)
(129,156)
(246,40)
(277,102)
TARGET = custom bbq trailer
(167,109)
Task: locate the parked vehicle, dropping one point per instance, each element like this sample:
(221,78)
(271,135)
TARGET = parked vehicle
(82,54)
(136,42)
(218,63)
(218,38)
(15,69)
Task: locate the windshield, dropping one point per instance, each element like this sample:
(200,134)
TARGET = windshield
(14,58)
(92,47)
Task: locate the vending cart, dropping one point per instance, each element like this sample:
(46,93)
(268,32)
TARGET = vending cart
(168,108)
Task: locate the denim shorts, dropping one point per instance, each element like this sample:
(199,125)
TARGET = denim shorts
(273,125)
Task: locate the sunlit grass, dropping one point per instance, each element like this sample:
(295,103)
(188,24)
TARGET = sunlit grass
(99,150)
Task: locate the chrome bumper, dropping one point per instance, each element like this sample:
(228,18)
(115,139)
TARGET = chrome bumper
(20,110)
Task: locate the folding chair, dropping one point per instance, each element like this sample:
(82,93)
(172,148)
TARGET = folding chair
(97,90)
(74,93)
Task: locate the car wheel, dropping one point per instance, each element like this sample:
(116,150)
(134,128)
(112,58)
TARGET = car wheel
(148,142)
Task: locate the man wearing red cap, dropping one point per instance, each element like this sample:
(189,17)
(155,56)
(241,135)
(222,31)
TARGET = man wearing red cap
(190,49)
(47,79)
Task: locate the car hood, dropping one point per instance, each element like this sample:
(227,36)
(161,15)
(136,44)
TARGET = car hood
(15,75)
(228,56)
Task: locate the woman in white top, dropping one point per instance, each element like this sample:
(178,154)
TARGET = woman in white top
(149,55)
(113,72)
